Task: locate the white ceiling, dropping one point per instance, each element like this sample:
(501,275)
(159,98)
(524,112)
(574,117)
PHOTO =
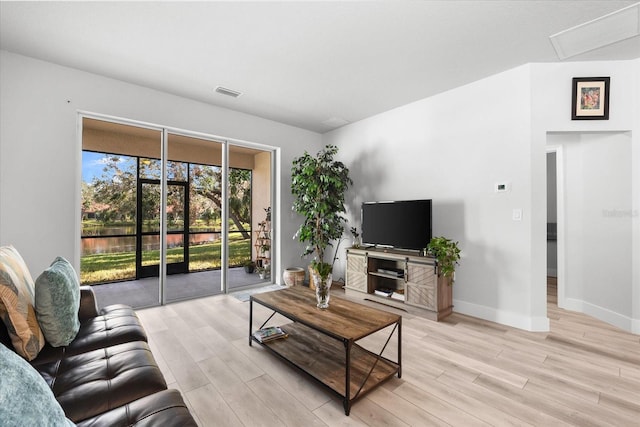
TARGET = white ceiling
(301,63)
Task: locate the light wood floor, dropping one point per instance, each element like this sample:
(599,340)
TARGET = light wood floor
(460,372)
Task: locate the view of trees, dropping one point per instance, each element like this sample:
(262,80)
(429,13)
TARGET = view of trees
(109,208)
(112,196)
(206,196)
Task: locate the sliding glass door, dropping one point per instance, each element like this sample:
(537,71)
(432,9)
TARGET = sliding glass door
(114,248)
(131,227)
(201,221)
(250,226)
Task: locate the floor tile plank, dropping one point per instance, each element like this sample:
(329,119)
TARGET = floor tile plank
(462,371)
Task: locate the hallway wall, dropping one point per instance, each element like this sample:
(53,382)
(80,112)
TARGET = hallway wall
(598,222)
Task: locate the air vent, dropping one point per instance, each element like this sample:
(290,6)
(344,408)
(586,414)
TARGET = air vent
(603,31)
(228,92)
(335,122)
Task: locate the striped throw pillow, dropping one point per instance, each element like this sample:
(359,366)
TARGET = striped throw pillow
(17,294)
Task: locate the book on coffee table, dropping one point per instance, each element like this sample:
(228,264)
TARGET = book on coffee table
(269,334)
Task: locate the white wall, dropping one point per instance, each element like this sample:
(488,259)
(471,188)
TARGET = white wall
(453,148)
(39,151)
(635,202)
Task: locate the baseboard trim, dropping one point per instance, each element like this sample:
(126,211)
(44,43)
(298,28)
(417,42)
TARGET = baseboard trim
(532,324)
(611,317)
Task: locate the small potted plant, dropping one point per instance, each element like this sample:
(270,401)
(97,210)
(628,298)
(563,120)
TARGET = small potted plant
(264,272)
(356,237)
(265,250)
(447,253)
(249,266)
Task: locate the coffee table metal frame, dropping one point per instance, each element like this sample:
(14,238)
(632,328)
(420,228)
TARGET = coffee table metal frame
(309,330)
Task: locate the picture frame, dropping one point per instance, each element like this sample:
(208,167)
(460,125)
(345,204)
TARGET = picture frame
(590,98)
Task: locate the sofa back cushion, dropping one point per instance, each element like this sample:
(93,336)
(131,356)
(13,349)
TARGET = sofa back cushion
(17,301)
(57,302)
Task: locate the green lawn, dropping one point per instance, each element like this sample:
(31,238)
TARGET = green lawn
(101,268)
(93,227)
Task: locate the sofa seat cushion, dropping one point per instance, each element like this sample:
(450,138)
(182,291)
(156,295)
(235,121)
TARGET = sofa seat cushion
(58,302)
(165,408)
(91,383)
(17,304)
(116,324)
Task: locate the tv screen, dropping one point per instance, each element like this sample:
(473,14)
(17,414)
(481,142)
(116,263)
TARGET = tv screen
(400,224)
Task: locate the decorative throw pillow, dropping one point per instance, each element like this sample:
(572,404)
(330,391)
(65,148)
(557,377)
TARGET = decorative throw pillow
(26,398)
(17,304)
(57,302)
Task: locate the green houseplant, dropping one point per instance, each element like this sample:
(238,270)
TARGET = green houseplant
(265,250)
(318,185)
(356,237)
(447,253)
(249,266)
(264,271)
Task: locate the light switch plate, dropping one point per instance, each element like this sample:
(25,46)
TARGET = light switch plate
(517,214)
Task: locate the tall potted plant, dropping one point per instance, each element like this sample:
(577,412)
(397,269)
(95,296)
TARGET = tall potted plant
(318,185)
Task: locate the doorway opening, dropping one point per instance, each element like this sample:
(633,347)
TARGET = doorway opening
(594,182)
(552,226)
(148,228)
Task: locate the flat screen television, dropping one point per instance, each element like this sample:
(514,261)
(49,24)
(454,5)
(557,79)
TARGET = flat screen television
(402,224)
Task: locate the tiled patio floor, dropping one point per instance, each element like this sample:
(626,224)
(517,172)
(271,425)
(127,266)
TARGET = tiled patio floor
(144,292)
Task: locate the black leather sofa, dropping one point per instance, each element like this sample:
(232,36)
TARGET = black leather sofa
(107,375)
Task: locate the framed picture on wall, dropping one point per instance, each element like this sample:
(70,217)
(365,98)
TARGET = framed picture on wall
(590,98)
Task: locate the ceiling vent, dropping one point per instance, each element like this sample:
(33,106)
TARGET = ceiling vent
(603,31)
(335,122)
(229,92)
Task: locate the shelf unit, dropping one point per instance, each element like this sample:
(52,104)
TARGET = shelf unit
(397,278)
(263,237)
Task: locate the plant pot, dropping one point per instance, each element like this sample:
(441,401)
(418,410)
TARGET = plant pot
(249,269)
(323,288)
(293,276)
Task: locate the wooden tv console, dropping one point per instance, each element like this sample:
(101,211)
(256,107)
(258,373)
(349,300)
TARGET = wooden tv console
(397,278)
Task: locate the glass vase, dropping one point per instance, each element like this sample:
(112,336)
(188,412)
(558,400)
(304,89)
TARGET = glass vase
(322,290)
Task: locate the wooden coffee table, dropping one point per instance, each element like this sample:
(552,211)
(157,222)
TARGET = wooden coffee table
(323,343)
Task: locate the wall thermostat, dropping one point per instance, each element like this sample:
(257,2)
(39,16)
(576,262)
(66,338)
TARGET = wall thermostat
(501,187)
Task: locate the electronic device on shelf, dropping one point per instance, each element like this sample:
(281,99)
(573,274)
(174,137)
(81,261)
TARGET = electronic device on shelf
(391,271)
(404,224)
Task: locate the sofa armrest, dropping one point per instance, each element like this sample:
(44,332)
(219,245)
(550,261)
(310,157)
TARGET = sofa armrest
(88,303)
